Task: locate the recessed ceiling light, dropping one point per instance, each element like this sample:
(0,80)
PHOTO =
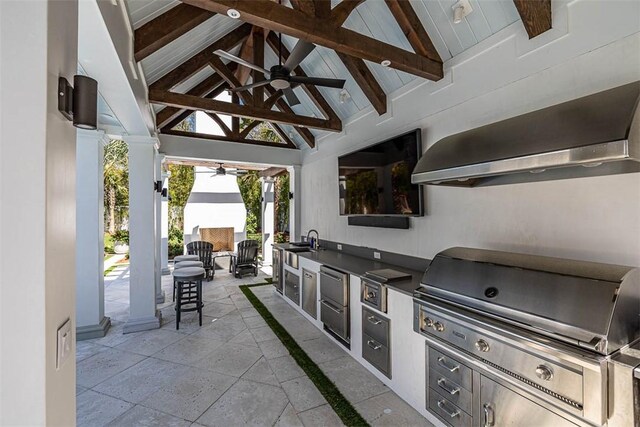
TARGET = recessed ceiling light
(233,13)
(385,62)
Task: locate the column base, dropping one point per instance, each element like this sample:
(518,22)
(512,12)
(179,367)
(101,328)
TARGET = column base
(160,298)
(166,271)
(143,323)
(93,331)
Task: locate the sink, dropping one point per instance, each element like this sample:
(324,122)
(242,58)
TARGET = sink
(299,249)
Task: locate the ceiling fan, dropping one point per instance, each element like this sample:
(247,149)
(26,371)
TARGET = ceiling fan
(221,171)
(279,76)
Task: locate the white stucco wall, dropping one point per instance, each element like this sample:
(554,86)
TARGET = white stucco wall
(215,201)
(38,43)
(595,45)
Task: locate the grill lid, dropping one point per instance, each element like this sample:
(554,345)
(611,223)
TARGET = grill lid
(593,305)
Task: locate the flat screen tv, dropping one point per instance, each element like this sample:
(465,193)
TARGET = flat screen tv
(377,179)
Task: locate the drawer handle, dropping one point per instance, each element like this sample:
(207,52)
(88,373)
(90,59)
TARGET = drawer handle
(489,419)
(372,319)
(443,362)
(443,385)
(442,405)
(374,345)
(326,304)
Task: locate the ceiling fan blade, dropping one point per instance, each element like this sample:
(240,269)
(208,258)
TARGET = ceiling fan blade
(251,86)
(317,81)
(299,52)
(292,99)
(241,61)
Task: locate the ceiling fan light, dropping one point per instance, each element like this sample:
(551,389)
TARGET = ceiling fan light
(233,13)
(279,84)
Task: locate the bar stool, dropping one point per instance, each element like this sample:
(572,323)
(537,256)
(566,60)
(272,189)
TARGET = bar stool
(180,258)
(180,265)
(189,287)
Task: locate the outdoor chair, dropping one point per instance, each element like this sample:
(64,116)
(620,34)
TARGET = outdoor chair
(246,259)
(204,250)
(181,258)
(189,291)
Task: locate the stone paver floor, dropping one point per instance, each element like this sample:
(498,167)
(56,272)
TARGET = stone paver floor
(232,371)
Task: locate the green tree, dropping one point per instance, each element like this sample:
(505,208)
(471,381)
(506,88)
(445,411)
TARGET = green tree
(251,191)
(282,205)
(262,132)
(116,184)
(180,184)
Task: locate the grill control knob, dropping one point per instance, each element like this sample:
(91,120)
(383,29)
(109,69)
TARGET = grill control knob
(428,322)
(544,372)
(482,345)
(438,326)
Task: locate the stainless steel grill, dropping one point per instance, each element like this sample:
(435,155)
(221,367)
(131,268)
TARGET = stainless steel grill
(543,328)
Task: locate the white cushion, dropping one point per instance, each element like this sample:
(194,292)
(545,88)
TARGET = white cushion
(186,258)
(183,264)
(188,272)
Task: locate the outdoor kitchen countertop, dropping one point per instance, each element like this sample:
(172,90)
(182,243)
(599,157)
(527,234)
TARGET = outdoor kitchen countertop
(358,266)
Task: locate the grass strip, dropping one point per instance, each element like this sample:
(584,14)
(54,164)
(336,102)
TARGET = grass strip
(110,269)
(342,407)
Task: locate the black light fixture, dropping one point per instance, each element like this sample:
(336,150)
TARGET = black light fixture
(158,186)
(164,192)
(290,195)
(80,102)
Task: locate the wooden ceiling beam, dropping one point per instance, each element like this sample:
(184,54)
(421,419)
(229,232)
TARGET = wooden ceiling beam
(258,59)
(201,59)
(367,82)
(535,15)
(225,72)
(307,7)
(312,91)
(322,8)
(246,53)
(201,89)
(324,32)
(304,133)
(283,135)
(341,12)
(183,113)
(191,102)
(166,28)
(272,172)
(413,29)
(229,139)
(223,126)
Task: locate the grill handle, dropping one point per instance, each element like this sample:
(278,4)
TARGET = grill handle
(443,362)
(488,416)
(374,320)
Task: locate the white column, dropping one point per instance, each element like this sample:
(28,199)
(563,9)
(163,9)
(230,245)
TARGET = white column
(164,227)
(38,43)
(158,230)
(142,280)
(295,204)
(268,216)
(90,319)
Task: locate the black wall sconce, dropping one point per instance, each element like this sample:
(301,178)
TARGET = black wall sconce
(158,186)
(80,102)
(164,192)
(290,195)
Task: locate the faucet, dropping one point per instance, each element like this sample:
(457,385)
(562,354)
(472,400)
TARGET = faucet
(314,244)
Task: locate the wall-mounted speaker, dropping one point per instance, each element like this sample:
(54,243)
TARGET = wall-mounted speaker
(399,222)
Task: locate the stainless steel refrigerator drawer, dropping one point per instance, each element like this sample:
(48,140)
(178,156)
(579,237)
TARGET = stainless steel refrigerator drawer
(455,393)
(450,368)
(292,287)
(376,326)
(376,354)
(309,293)
(334,287)
(448,411)
(335,318)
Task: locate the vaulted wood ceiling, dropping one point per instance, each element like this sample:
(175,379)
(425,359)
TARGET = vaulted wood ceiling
(254,38)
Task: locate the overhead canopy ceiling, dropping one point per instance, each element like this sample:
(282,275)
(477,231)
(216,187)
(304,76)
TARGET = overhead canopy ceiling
(422,29)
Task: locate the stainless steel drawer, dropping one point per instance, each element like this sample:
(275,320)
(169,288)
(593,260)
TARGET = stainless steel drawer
(292,287)
(335,318)
(334,286)
(455,393)
(450,368)
(375,326)
(309,293)
(376,354)
(448,411)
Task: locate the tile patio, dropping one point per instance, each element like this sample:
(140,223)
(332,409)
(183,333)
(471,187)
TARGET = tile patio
(232,371)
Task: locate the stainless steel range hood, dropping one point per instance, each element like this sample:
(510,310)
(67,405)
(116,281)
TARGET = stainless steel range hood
(595,135)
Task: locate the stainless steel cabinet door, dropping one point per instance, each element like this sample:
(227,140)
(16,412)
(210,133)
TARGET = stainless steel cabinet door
(309,293)
(503,407)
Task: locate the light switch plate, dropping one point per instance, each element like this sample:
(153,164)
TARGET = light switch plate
(64,342)
(339,247)
(376,255)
